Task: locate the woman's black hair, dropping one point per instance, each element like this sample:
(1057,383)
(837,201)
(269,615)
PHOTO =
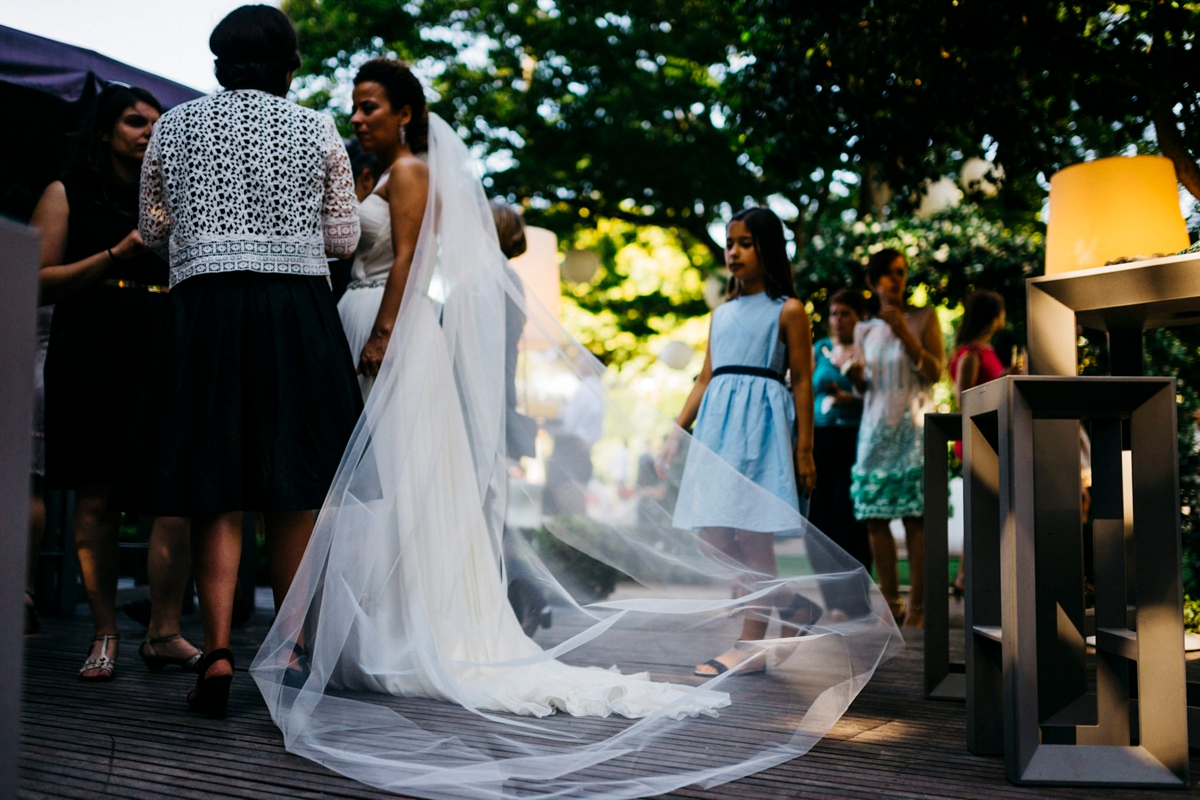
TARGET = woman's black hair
(880,264)
(91,164)
(360,159)
(767,232)
(402,89)
(979,312)
(256,47)
(851,299)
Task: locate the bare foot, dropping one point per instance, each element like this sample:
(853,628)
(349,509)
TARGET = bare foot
(915,618)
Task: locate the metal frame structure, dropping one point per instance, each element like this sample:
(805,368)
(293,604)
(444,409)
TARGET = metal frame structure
(944,679)
(1013,655)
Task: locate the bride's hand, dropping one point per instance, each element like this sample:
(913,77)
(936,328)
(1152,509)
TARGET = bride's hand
(372,354)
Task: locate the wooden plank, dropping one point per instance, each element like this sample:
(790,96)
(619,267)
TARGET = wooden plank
(132,738)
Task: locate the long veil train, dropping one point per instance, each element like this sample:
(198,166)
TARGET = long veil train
(396,658)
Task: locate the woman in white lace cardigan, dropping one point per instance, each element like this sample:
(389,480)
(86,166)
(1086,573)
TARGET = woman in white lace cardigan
(248,194)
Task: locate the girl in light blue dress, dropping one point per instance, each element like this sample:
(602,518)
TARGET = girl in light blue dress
(745,414)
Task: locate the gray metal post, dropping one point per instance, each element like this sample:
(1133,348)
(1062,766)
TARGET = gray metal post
(943,680)
(19,247)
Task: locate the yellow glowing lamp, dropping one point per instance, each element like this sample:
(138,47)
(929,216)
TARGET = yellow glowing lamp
(538,269)
(1113,208)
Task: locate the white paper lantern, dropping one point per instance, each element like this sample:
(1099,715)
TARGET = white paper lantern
(676,354)
(538,269)
(714,291)
(976,174)
(939,195)
(580,266)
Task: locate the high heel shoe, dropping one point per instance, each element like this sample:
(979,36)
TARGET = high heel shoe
(156,663)
(211,695)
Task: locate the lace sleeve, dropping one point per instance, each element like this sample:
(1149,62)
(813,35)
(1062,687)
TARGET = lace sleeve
(154,223)
(339,207)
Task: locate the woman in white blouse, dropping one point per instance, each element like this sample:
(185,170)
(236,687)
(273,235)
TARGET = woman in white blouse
(248,194)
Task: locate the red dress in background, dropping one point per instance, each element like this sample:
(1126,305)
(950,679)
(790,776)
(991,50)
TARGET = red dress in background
(990,368)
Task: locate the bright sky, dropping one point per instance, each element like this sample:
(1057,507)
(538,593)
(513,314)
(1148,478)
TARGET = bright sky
(165,37)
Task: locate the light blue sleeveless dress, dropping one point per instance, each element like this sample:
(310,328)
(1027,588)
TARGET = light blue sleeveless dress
(749,421)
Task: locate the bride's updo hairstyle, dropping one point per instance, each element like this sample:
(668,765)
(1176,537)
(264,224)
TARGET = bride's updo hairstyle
(402,89)
(256,47)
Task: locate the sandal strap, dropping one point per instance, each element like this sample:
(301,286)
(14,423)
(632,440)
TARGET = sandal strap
(162,639)
(223,654)
(717,665)
(106,636)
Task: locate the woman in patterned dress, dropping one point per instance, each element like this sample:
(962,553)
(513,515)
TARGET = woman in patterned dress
(900,359)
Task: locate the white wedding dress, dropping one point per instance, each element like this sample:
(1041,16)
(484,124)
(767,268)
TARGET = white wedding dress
(437,580)
(415,675)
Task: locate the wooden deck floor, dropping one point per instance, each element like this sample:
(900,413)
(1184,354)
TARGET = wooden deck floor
(131,739)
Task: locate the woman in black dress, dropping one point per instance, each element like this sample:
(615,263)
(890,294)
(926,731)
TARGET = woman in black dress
(110,293)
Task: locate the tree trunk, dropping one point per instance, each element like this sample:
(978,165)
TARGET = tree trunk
(1171,143)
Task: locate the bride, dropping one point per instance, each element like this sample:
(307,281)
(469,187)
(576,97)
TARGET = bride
(401,596)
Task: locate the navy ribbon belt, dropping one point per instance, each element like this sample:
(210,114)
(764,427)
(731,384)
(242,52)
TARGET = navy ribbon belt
(761,372)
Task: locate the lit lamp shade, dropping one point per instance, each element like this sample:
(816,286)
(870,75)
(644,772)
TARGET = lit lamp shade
(1113,208)
(538,269)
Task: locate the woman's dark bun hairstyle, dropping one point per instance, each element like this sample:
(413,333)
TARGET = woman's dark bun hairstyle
(256,47)
(91,163)
(850,299)
(767,231)
(979,312)
(402,89)
(510,229)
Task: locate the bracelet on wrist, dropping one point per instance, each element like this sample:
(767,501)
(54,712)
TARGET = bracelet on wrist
(111,257)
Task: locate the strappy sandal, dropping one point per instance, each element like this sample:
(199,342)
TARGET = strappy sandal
(296,673)
(721,668)
(156,662)
(107,666)
(211,695)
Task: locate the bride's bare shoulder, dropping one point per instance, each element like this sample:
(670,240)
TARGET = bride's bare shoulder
(408,173)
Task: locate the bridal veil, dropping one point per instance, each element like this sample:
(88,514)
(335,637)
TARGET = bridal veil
(417,677)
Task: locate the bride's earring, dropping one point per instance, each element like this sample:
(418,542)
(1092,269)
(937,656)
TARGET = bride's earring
(403,136)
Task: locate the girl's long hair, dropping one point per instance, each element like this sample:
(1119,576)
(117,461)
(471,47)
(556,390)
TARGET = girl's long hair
(91,164)
(767,231)
(979,312)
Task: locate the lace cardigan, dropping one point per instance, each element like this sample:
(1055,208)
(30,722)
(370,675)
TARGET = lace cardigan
(245,180)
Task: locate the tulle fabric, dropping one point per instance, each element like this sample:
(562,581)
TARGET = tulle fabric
(415,674)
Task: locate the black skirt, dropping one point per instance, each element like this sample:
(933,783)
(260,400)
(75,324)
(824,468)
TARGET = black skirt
(256,397)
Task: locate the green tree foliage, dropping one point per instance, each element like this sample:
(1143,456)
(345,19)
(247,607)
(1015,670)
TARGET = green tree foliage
(896,90)
(584,110)
(950,255)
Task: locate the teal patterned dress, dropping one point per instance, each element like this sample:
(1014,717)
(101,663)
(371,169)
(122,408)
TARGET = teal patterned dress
(888,478)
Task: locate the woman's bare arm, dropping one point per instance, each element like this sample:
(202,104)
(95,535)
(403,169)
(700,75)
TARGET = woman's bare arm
(57,280)
(407,190)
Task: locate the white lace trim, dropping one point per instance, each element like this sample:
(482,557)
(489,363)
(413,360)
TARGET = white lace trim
(225,255)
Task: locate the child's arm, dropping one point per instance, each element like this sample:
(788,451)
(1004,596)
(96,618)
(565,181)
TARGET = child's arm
(797,332)
(691,407)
